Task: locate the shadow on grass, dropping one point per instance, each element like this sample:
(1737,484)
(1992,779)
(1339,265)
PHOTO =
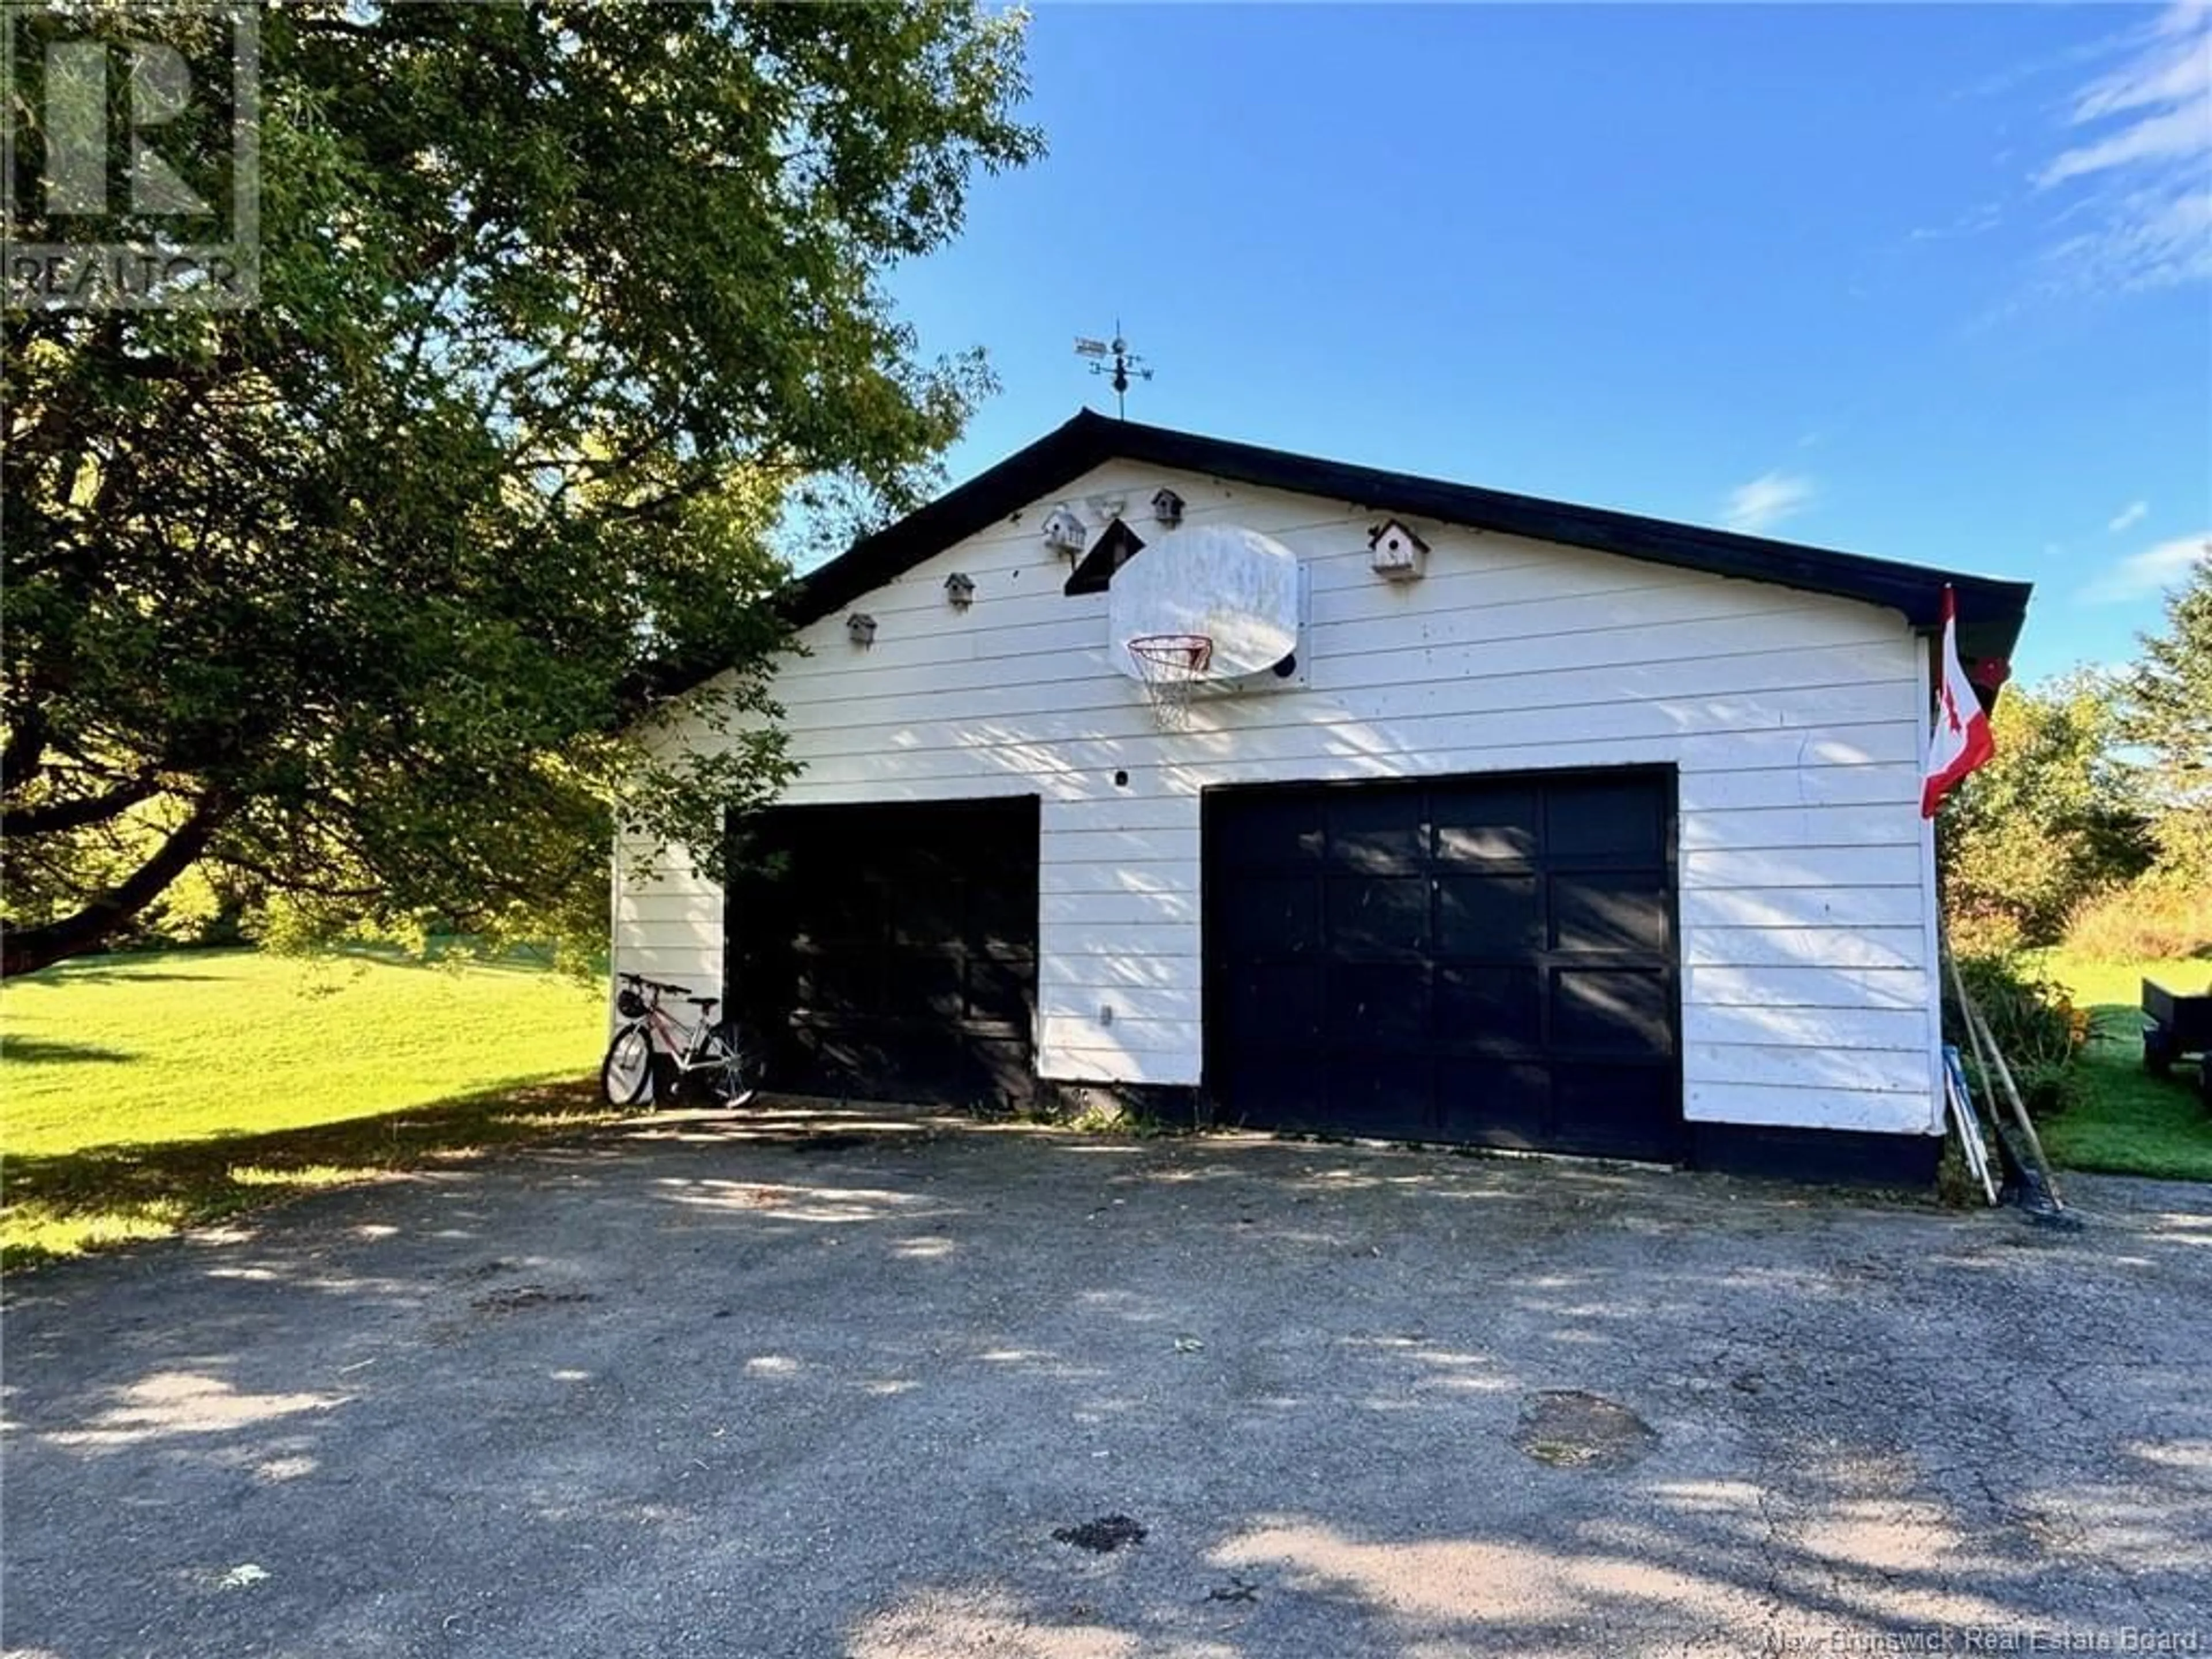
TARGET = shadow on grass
(62,1204)
(115,971)
(43,1051)
(448,955)
(136,967)
(2128,1122)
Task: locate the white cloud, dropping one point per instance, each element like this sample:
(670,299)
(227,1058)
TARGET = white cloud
(2171,133)
(2138,162)
(1974,222)
(2129,516)
(2151,571)
(2178,76)
(1766,501)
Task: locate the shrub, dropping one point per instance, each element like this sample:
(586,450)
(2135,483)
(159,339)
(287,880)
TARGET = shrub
(2036,1025)
(1985,933)
(2148,920)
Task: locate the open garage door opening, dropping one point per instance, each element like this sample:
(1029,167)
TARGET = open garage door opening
(1490,961)
(889,953)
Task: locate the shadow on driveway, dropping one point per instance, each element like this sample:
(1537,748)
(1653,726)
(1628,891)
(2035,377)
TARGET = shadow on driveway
(830,1382)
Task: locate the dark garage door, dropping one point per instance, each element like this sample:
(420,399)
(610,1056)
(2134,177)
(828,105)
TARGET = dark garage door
(889,953)
(1480,960)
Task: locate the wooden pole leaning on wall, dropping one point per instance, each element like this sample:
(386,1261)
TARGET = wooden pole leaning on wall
(1991,1060)
(1974,1032)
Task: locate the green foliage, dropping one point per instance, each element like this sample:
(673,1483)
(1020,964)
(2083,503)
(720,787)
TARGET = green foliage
(2034,1021)
(365,599)
(2050,821)
(2164,713)
(2153,918)
(2167,711)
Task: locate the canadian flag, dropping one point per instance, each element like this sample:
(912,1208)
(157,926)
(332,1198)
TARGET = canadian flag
(1961,740)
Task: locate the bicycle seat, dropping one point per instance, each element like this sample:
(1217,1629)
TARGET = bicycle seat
(703,1003)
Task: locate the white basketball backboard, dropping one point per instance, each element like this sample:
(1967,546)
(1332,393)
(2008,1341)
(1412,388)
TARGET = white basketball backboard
(1236,586)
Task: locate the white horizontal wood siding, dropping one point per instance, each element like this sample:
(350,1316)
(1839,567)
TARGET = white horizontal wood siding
(1793,719)
(667,919)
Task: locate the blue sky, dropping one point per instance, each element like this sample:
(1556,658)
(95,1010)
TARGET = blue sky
(1930,283)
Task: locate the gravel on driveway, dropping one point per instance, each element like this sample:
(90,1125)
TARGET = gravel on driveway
(835,1383)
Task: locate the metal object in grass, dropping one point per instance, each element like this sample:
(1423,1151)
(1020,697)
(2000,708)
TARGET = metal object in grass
(2180,1025)
(1969,1126)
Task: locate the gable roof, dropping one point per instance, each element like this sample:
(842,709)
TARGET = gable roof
(1990,612)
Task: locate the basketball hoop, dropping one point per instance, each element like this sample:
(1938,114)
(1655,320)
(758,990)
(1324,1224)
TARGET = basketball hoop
(1170,666)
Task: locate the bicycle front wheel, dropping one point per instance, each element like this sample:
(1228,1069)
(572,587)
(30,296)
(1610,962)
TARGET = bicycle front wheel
(626,1074)
(732,1077)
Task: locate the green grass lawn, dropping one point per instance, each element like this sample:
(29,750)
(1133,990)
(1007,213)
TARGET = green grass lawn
(143,1094)
(2129,1122)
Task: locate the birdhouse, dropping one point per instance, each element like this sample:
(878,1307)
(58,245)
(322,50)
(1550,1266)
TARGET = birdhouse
(1167,508)
(1063,531)
(860,629)
(960,590)
(1396,554)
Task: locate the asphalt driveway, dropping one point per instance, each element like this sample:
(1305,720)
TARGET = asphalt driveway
(800,1387)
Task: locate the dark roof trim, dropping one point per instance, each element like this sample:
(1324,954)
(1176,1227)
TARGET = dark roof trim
(1990,612)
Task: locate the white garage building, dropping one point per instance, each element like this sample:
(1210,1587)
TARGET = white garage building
(1489,819)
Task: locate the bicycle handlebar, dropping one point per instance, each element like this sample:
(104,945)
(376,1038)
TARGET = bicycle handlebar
(655,984)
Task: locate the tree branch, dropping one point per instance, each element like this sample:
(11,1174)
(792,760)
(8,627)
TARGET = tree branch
(27,950)
(50,818)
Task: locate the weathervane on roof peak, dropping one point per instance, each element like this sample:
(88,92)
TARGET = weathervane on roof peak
(1114,357)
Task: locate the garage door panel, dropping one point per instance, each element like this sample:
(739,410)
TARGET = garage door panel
(1496,915)
(1282,1092)
(837,1050)
(987,1067)
(1604,822)
(1384,1095)
(1378,914)
(1272,915)
(1000,989)
(1616,1111)
(1004,910)
(1380,832)
(1281,833)
(840,912)
(1494,960)
(1280,1002)
(933,983)
(838,985)
(918,918)
(1612,911)
(1491,1007)
(1376,1004)
(1485,826)
(1612,1011)
(1494,1103)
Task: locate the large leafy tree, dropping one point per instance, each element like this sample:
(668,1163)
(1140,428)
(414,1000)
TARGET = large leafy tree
(2051,821)
(2167,713)
(366,594)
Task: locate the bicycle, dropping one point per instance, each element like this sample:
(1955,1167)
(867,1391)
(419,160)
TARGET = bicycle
(652,1048)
